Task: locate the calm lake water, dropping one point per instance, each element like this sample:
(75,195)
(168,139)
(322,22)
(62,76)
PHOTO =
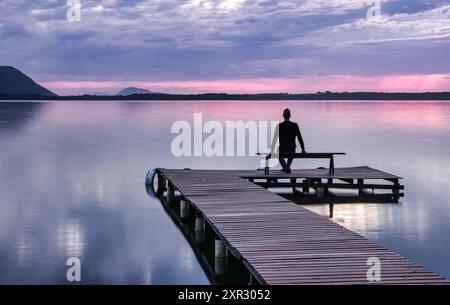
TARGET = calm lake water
(72,183)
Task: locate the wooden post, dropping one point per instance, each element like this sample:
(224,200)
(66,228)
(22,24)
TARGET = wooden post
(170,192)
(396,187)
(320,190)
(184,209)
(220,256)
(326,190)
(271,181)
(331,170)
(220,250)
(360,186)
(306,186)
(331,210)
(161,184)
(200,235)
(293,181)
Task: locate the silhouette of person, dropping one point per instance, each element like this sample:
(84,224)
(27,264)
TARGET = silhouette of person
(288,132)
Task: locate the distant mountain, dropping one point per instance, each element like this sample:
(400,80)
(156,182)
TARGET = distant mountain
(133,90)
(14,82)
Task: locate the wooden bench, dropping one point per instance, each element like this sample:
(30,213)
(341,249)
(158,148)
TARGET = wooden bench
(329,156)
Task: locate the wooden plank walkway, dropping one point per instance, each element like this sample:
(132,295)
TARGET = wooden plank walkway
(283,243)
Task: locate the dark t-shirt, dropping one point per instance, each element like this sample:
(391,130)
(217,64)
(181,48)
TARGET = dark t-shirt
(288,131)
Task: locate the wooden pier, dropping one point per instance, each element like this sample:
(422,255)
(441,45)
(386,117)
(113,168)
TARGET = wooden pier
(280,242)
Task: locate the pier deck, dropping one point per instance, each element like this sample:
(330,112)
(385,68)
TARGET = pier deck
(282,243)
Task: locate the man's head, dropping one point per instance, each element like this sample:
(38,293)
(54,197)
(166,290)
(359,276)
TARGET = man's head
(286,114)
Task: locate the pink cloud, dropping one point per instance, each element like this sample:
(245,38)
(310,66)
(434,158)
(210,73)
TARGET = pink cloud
(305,84)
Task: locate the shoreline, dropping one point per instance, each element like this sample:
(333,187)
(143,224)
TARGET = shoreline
(327,96)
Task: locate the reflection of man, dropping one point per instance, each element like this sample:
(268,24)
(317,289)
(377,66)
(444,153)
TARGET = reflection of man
(288,131)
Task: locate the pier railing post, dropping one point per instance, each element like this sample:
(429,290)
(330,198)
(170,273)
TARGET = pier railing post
(327,189)
(331,169)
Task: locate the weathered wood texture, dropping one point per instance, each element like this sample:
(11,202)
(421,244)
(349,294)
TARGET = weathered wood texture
(283,243)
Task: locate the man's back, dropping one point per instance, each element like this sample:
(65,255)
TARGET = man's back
(288,131)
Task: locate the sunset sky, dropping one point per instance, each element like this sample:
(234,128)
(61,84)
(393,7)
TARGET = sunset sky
(236,46)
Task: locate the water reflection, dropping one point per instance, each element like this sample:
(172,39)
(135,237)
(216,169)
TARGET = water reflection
(221,270)
(68,190)
(71,183)
(14,116)
(70,237)
(319,203)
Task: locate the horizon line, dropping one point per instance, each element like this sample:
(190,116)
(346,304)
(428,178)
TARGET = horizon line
(308,83)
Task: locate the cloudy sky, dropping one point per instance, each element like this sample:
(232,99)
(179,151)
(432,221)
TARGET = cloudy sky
(192,46)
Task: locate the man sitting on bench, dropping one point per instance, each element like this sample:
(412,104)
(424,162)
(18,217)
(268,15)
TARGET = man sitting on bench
(288,131)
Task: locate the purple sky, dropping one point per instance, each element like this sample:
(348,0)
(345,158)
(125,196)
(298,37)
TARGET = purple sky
(229,45)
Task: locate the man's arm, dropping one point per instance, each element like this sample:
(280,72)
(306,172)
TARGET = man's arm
(300,139)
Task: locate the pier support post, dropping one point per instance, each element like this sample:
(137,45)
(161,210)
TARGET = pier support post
(306,186)
(200,235)
(220,250)
(220,257)
(360,186)
(320,190)
(326,190)
(271,182)
(184,209)
(293,182)
(161,184)
(220,265)
(396,188)
(331,210)
(170,192)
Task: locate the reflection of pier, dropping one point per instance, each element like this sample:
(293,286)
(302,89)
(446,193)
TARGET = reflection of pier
(283,243)
(332,199)
(220,269)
